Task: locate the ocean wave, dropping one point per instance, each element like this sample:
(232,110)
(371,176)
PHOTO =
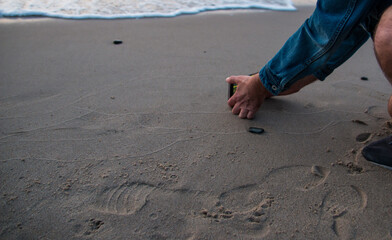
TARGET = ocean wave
(106,9)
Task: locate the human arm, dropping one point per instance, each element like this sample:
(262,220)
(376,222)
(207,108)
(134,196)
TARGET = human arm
(333,33)
(327,39)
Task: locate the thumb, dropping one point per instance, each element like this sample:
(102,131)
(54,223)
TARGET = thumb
(232,80)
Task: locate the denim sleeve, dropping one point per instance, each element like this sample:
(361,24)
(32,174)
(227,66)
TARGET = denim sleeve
(328,38)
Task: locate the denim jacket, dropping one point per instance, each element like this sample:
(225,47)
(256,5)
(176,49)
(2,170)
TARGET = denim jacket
(334,32)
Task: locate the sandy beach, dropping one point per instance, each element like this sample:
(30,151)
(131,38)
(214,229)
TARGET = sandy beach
(136,141)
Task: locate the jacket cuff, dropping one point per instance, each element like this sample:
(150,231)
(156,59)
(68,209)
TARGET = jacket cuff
(270,82)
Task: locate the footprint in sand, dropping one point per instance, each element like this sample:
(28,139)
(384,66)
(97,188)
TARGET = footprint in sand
(244,208)
(248,207)
(242,198)
(340,205)
(363,137)
(125,199)
(376,112)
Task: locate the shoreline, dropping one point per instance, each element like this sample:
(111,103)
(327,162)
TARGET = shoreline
(297,4)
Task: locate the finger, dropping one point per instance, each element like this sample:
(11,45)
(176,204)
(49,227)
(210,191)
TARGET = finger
(233,80)
(243,113)
(236,109)
(250,115)
(231,102)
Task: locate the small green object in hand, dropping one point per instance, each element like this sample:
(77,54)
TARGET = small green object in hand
(232,89)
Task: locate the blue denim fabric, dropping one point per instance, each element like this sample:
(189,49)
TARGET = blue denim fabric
(333,33)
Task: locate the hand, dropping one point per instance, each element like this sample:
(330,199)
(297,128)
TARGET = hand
(249,96)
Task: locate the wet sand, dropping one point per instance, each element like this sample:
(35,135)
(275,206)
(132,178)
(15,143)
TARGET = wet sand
(136,141)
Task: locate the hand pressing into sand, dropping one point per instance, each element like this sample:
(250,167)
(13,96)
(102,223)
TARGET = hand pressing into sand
(250,93)
(249,96)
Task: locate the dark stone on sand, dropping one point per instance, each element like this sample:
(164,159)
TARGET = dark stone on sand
(363,137)
(359,122)
(117,42)
(364,78)
(256,130)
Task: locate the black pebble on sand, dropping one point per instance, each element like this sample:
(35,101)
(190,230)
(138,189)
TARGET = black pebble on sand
(117,42)
(364,78)
(256,130)
(359,122)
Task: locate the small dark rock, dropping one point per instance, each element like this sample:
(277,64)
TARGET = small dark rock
(256,130)
(359,122)
(117,42)
(364,78)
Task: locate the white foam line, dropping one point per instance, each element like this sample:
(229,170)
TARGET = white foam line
(26,13)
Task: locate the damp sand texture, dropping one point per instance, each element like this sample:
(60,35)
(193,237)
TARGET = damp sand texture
(136,141)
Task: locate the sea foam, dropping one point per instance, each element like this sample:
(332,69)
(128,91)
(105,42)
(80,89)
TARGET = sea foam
(109,9)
